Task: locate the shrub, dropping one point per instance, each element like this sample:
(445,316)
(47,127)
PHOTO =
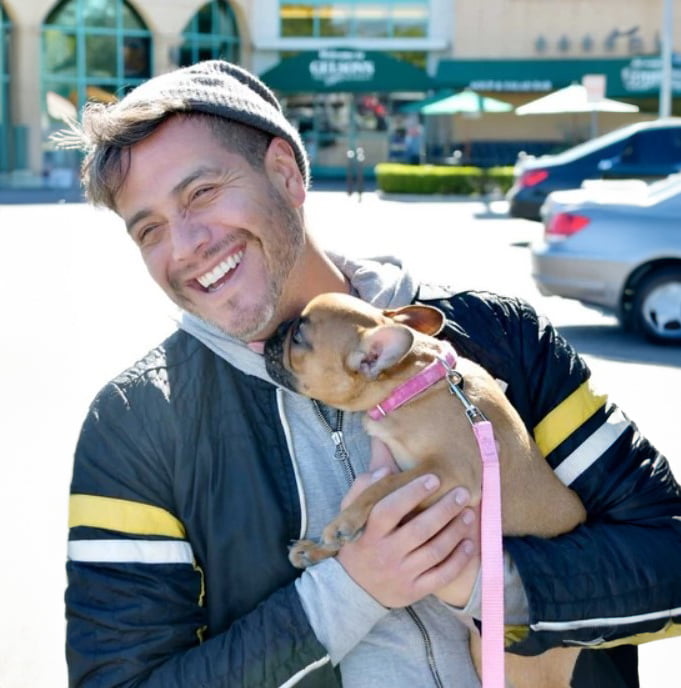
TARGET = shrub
(441,179)
(500,177)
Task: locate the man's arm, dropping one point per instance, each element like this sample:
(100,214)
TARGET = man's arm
(618,575)
(135,598)
(139,624)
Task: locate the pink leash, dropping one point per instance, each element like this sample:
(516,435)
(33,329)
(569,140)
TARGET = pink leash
(490,527)
(492,560)
(491,546)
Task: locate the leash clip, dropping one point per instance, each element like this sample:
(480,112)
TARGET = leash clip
(455,382)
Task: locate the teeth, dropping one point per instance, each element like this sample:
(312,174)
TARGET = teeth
(219,271)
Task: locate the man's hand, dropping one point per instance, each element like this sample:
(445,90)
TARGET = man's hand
(399,561)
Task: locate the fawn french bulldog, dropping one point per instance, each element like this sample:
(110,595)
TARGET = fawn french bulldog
(355,357)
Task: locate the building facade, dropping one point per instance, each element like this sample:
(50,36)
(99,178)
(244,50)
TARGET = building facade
(349,73)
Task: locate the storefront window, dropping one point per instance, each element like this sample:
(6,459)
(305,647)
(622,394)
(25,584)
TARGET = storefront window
(4,91)
(354,18)
(335,20)
(91,50)
(211,33)
(335,124)
(94,50)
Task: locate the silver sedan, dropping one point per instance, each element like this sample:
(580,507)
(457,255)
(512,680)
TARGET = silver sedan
(618,249)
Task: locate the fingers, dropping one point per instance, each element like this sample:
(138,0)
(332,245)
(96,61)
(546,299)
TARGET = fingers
(438,548)
(361,483)
(427,524)
(448,563)
(389,512)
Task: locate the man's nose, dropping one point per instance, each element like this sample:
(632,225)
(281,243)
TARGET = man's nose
(188,237)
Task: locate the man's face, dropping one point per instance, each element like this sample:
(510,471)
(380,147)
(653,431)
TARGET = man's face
(221,239)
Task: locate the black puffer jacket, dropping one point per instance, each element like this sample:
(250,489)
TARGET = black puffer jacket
(184,500)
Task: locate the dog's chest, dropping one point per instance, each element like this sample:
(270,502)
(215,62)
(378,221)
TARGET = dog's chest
(388,431)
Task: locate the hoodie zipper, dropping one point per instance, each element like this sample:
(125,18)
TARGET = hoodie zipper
(341,454)
(336,432)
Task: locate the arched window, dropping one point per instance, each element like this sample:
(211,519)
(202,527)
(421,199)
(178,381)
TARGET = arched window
(5,124)
(211,33)
(93,50)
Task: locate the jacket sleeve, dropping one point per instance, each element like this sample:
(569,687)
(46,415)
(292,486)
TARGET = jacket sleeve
(617,578)
(134,601)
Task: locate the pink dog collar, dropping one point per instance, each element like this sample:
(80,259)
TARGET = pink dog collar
(432,373)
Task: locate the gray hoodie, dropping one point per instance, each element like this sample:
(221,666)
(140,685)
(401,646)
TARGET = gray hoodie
(425,644)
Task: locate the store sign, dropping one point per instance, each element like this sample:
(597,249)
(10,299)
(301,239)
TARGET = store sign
(512,85)
(645,74)
(334,66)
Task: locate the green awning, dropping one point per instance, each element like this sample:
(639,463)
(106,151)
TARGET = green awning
(345,70)
(625,77)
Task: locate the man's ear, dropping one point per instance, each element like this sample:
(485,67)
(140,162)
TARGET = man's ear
(283,171)
(426,319)
(380,348)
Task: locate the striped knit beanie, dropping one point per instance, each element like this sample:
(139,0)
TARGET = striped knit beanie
(220,88)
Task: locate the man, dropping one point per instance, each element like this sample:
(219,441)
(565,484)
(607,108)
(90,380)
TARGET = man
(193,471)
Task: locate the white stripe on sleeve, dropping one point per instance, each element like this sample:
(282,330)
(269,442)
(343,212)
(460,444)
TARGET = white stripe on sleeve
(304,672)
(609,622)
(131,551)
(592,448)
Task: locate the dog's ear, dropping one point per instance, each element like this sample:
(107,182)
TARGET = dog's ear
(380,348)
(426,319)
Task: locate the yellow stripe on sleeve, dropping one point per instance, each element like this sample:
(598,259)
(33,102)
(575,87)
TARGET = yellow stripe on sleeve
(123,516)
(563,420)
(671,630)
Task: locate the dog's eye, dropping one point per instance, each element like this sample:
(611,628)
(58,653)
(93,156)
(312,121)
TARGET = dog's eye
(297,334)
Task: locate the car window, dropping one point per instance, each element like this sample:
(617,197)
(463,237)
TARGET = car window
(613,139)
(657,146)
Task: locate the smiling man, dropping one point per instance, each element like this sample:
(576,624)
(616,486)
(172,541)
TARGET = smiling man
(194,470)
(225,241)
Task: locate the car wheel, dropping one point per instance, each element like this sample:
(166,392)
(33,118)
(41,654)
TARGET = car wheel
(657,306)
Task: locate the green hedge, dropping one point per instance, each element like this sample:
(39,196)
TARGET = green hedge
(441,179)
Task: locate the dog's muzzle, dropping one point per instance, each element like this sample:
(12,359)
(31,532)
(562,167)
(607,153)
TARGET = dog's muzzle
(274,357)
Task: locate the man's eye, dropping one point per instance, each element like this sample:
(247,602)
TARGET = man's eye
(201,191)
(145,233)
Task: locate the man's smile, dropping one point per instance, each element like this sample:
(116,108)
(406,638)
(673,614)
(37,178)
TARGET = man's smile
(215,277)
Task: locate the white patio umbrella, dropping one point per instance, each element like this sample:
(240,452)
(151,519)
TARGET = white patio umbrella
(572,100)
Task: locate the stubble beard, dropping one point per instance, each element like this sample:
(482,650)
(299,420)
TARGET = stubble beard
(285,243)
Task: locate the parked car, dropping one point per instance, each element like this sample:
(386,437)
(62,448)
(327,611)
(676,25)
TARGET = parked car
(621,255)
(597,190)
(646,150)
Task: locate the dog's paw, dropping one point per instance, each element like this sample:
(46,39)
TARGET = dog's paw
(338,532)
(304,553)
